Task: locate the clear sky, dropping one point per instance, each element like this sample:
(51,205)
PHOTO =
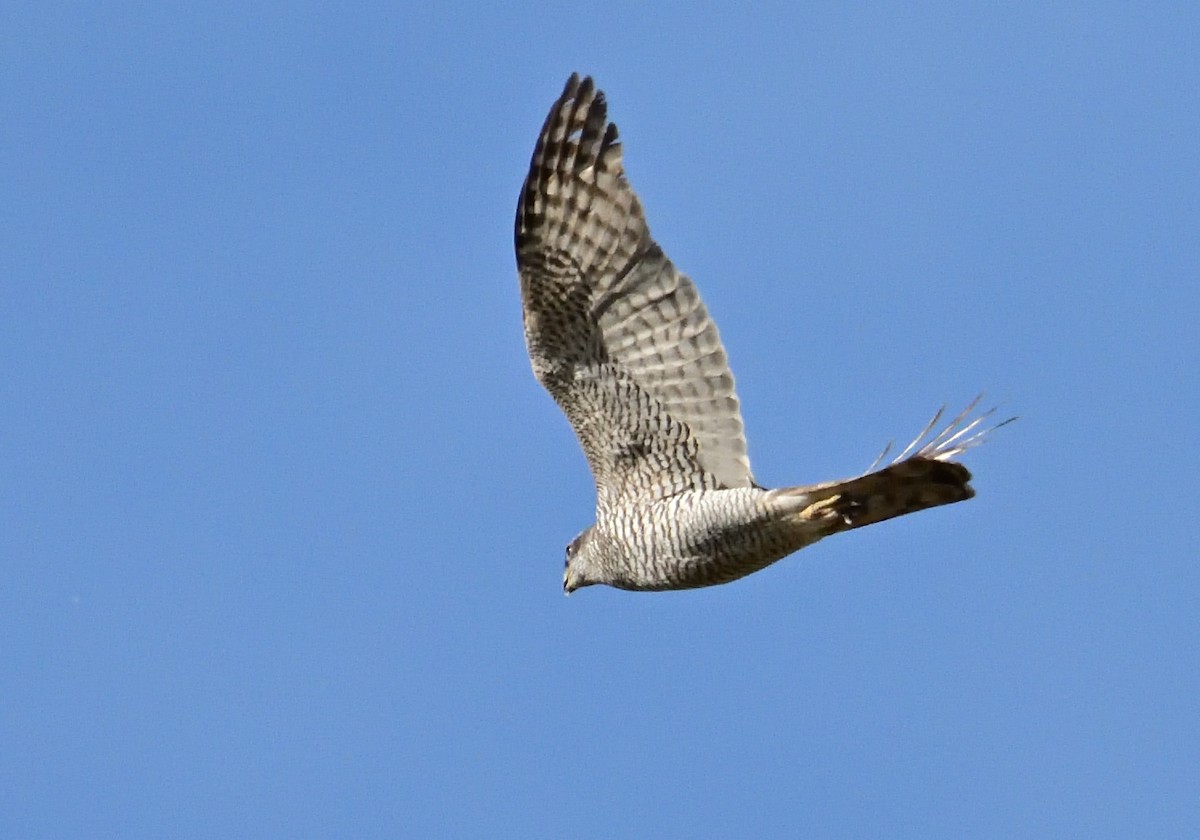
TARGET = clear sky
(283,510)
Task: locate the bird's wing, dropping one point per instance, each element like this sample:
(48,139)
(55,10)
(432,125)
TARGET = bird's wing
(616,334)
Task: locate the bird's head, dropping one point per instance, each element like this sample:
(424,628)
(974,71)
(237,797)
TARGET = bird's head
(579,570)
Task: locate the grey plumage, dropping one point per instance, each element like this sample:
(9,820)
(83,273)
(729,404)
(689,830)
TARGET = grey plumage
(622,341)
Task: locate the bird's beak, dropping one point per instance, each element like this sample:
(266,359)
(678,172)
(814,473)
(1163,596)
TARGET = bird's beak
(568,584)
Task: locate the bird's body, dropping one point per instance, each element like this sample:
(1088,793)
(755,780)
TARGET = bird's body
(694,538)
(622,341)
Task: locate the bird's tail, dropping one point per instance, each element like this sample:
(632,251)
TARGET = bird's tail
(922,476)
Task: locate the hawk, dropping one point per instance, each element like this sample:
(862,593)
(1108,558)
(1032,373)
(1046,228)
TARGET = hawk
(622,341)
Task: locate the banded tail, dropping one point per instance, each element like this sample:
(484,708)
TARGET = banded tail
(922,476)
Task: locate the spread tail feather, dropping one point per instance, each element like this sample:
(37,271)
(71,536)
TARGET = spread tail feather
(921,476)
(907,487)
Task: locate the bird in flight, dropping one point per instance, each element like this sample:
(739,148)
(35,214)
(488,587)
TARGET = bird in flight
(622,341)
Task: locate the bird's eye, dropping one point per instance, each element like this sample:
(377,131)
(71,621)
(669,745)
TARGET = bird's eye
(574,547)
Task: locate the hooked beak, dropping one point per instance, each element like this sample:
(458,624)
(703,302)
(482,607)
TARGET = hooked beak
(569,584)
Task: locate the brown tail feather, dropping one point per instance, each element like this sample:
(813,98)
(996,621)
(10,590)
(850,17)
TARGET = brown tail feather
(912,485)
(922,476)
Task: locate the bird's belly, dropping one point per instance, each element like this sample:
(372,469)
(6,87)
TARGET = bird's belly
(695,543)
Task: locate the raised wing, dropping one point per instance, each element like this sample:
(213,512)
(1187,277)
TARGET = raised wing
(616,334)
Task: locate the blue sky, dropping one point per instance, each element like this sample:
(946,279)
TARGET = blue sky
(282,508)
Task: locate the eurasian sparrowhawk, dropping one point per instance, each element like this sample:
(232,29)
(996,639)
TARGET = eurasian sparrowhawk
(621,340)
